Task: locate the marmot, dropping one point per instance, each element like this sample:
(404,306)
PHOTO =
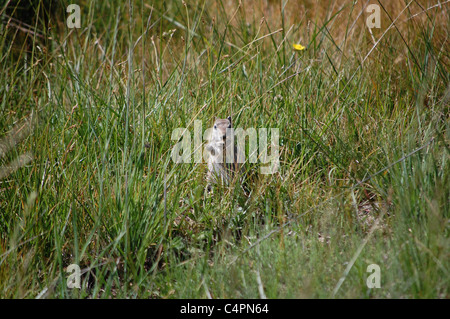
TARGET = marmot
(220,168)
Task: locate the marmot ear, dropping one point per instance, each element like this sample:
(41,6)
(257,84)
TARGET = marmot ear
(229,119)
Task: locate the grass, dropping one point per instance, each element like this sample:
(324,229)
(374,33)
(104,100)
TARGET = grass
(85,152)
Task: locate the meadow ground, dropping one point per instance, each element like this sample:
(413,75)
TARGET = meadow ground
(87,178)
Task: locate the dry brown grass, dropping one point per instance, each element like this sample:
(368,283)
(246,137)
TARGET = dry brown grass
(348,12)
(347,19)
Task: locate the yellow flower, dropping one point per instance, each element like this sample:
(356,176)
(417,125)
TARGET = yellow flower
(298,47)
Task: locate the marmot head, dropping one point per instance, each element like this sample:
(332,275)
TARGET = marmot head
(220,127)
